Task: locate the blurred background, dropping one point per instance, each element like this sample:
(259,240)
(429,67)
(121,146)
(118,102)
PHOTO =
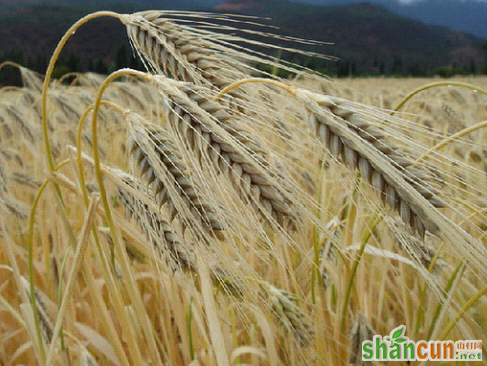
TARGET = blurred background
(378,37)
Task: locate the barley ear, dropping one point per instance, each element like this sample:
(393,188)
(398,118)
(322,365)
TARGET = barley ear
(181,52)
(162,166)
(361,146)
(420,250)
(285,307)
(157,229)
(45,321)
(210,129)
(360,330)
(328,249)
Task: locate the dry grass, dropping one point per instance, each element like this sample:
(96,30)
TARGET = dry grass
(263,226)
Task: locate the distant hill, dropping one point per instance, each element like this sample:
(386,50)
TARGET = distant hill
(367,38)
(468,16)
(34,31)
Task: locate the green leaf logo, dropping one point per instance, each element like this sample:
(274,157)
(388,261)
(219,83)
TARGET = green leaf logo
(397,333)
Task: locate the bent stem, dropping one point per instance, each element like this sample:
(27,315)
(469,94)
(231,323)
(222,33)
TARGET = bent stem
(50,68)
(10,63)
(239,83)
(94,134)
(115,234)
(451,139)
(81,173)
(433,85)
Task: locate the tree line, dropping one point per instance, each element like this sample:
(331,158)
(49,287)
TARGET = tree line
(66,64)
(124,57)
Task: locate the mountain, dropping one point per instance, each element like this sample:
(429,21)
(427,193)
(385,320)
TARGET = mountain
(468,16)
(369,37)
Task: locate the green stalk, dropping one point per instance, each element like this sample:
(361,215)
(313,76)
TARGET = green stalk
(189,319)
(96,152)
(115,234)
(30,253)
(449,286)
(421,307)
(81,174)
(460,314)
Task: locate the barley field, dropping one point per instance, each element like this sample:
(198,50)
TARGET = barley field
(208,213)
